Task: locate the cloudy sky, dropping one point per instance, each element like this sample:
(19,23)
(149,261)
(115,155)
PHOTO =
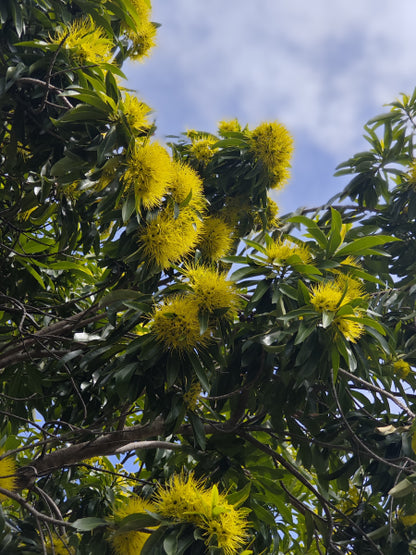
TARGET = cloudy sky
(321,67)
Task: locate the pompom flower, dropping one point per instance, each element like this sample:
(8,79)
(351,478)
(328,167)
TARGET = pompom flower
(7,475)
(212,291)
(401,368)
(186,183)
(331,295)
(187,500)
(131,542)
(280,251)
(327,296)
(229,126)
(350,329)
(166,240)
(176,324)
(272,145)
(86,43)
(143,38)
(135,113)
(216,240)
(202,149)
(148,173)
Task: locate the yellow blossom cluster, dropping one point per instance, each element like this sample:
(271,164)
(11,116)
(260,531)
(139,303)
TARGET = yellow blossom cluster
(58,545)
(148,174)
(143,37)
(186,185)
(8,475)
(216,239)
(330,296)
(212,291)
(132,541)
(135,113)
(201,147)
(229,126)
(187,500)
(280,251)
(166,239)
(176,322)
(85,42)
(272,145)
(191,396)
(401,368)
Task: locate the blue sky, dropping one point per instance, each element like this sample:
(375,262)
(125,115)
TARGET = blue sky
(321,67)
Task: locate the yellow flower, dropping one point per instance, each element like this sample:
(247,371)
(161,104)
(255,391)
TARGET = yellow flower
(326,296)
(182,499)
(353,288)
(350,329)
(58,546)
(142,8)
(189,500)
(176,324)
(227,532)
(201,149)
(216,239)
(230,126)
(86,43)
(212,291)
(148,173)
(135,113)
(8,476)
(142,40)
(401,368)
(272,145)
(279,251)
(159,239)
(408,520)
(190,398)
(131,542)
(186,182)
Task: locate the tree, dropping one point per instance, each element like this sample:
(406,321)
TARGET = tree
(182,371)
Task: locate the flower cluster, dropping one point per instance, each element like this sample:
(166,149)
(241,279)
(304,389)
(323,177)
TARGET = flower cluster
(58,545)
(280,252)
(176,322)
(212,291)
(130,542)
(86,43)
(187,500)
(330,296)
(143,37)
(148,173)
(401,368)
(272,146)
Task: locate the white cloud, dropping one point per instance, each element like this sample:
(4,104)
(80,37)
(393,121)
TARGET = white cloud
(322,67)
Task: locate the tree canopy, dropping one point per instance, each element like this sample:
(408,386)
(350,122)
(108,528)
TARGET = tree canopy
(183,371)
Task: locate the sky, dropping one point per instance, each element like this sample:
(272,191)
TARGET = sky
(322,68)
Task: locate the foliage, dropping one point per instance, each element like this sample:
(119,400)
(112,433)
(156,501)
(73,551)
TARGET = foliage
(165,339)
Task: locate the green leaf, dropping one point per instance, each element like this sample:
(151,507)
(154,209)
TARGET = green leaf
(403,488)
(335,232)
(137,521)
(312,228)
(238,497)
(363,245)
(89,523)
